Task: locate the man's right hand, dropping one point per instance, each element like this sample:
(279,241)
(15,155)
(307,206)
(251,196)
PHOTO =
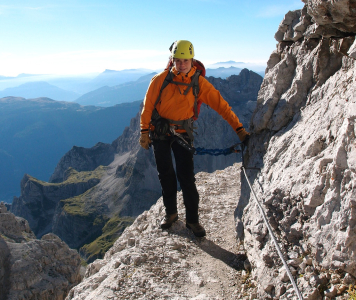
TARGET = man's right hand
(145,140)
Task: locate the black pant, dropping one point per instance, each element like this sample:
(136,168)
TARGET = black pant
(185,174)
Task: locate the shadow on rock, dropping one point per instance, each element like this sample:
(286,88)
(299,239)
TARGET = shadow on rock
(235,261)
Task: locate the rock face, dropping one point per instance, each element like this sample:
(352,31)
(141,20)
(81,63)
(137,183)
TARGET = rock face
(31,268)
(85,201)
(83,159)
(334,18)
(38,132)
(39,201)
(304,144)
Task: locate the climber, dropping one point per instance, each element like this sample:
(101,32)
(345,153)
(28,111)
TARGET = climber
(170,110)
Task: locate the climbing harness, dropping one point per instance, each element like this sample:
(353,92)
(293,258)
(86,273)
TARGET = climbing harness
(202,151)
(187,124)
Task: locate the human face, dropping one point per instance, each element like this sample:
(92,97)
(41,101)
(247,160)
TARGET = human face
(182,65)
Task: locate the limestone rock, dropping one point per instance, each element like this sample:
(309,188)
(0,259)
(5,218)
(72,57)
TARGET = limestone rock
(335,16)
(32,268)
(16,229)
(287,29)
(303,141)
(352,50)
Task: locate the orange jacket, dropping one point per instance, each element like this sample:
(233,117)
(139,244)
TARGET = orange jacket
(176,106)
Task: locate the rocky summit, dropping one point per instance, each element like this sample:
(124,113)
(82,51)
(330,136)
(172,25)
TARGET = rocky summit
(32,268)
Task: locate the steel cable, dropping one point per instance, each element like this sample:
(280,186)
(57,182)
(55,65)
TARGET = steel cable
(273,238)
(227,151)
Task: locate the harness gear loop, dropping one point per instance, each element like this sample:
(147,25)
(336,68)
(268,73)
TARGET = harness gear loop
(162,128)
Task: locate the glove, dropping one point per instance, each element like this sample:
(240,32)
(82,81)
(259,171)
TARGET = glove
(145,140)
(243,134)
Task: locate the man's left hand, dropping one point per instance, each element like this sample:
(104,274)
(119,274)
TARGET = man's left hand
(145,140)
(242,133)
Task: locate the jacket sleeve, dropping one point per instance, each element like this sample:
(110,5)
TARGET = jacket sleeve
(149,101)
(212,97)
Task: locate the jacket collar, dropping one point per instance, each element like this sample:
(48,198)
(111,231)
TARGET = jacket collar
(190,73)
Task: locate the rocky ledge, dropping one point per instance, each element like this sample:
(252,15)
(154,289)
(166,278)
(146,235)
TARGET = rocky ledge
(148,263)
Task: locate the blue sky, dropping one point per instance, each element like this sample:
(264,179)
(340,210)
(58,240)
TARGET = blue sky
(83,36)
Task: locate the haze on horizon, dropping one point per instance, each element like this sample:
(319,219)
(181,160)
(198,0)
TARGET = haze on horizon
(85,36)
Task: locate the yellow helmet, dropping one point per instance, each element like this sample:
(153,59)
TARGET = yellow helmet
(183,49)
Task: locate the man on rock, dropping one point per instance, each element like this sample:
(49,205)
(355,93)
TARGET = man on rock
(167,114)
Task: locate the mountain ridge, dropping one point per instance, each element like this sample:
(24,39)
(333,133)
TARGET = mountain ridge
(128,91)
(125,92)
(39,89)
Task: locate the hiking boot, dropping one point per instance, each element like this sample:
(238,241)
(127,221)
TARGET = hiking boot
(168,220)
(197,229)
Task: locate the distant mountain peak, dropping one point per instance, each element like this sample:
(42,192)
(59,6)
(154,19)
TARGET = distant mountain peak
(109,71)
(225,68)
(37,89)
(229,62)
(26,75)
